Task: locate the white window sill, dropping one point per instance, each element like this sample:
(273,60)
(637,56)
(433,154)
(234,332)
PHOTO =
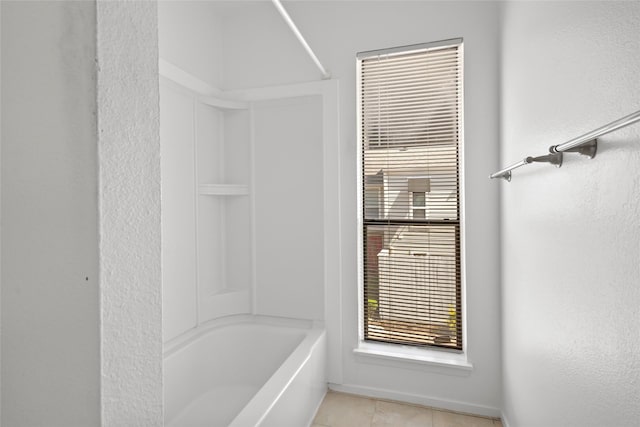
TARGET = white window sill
(444,362)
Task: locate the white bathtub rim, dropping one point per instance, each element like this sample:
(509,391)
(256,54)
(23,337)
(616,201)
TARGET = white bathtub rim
(183,340)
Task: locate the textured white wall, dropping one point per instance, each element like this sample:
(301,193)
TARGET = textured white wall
(261,51)
(129,153)
(50,313)
(571,251)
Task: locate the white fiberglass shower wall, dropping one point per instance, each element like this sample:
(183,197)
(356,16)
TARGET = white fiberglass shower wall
(245,182)
(242,207)
(206,209)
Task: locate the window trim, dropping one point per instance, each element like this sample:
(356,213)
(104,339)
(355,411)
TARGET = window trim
(442,359)
(435,359)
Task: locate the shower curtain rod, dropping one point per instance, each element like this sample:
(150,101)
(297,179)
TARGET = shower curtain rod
(586,144)
(292,25)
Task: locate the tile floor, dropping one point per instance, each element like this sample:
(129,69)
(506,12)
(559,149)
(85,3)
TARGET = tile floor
(346,410)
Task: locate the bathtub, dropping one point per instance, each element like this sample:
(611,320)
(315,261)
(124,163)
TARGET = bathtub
(245,371)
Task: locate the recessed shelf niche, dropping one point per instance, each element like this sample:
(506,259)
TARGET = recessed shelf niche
(223,171)
(207,219)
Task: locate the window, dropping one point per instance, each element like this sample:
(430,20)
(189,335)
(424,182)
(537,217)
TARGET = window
(418,188)
(410,113)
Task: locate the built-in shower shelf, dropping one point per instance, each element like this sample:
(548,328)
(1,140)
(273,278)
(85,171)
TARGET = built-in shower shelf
(224,189)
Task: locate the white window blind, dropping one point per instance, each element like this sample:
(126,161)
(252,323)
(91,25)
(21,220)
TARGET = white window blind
(410,108)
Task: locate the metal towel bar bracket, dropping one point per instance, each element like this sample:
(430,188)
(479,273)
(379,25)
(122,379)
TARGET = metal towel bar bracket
(586,145)
(589,149)
(553,158)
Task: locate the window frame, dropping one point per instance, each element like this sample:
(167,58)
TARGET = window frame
(423,354)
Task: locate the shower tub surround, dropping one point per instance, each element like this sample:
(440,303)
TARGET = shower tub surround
(246,371)
(244,305)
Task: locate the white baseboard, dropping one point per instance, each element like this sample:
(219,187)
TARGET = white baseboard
(433,402)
